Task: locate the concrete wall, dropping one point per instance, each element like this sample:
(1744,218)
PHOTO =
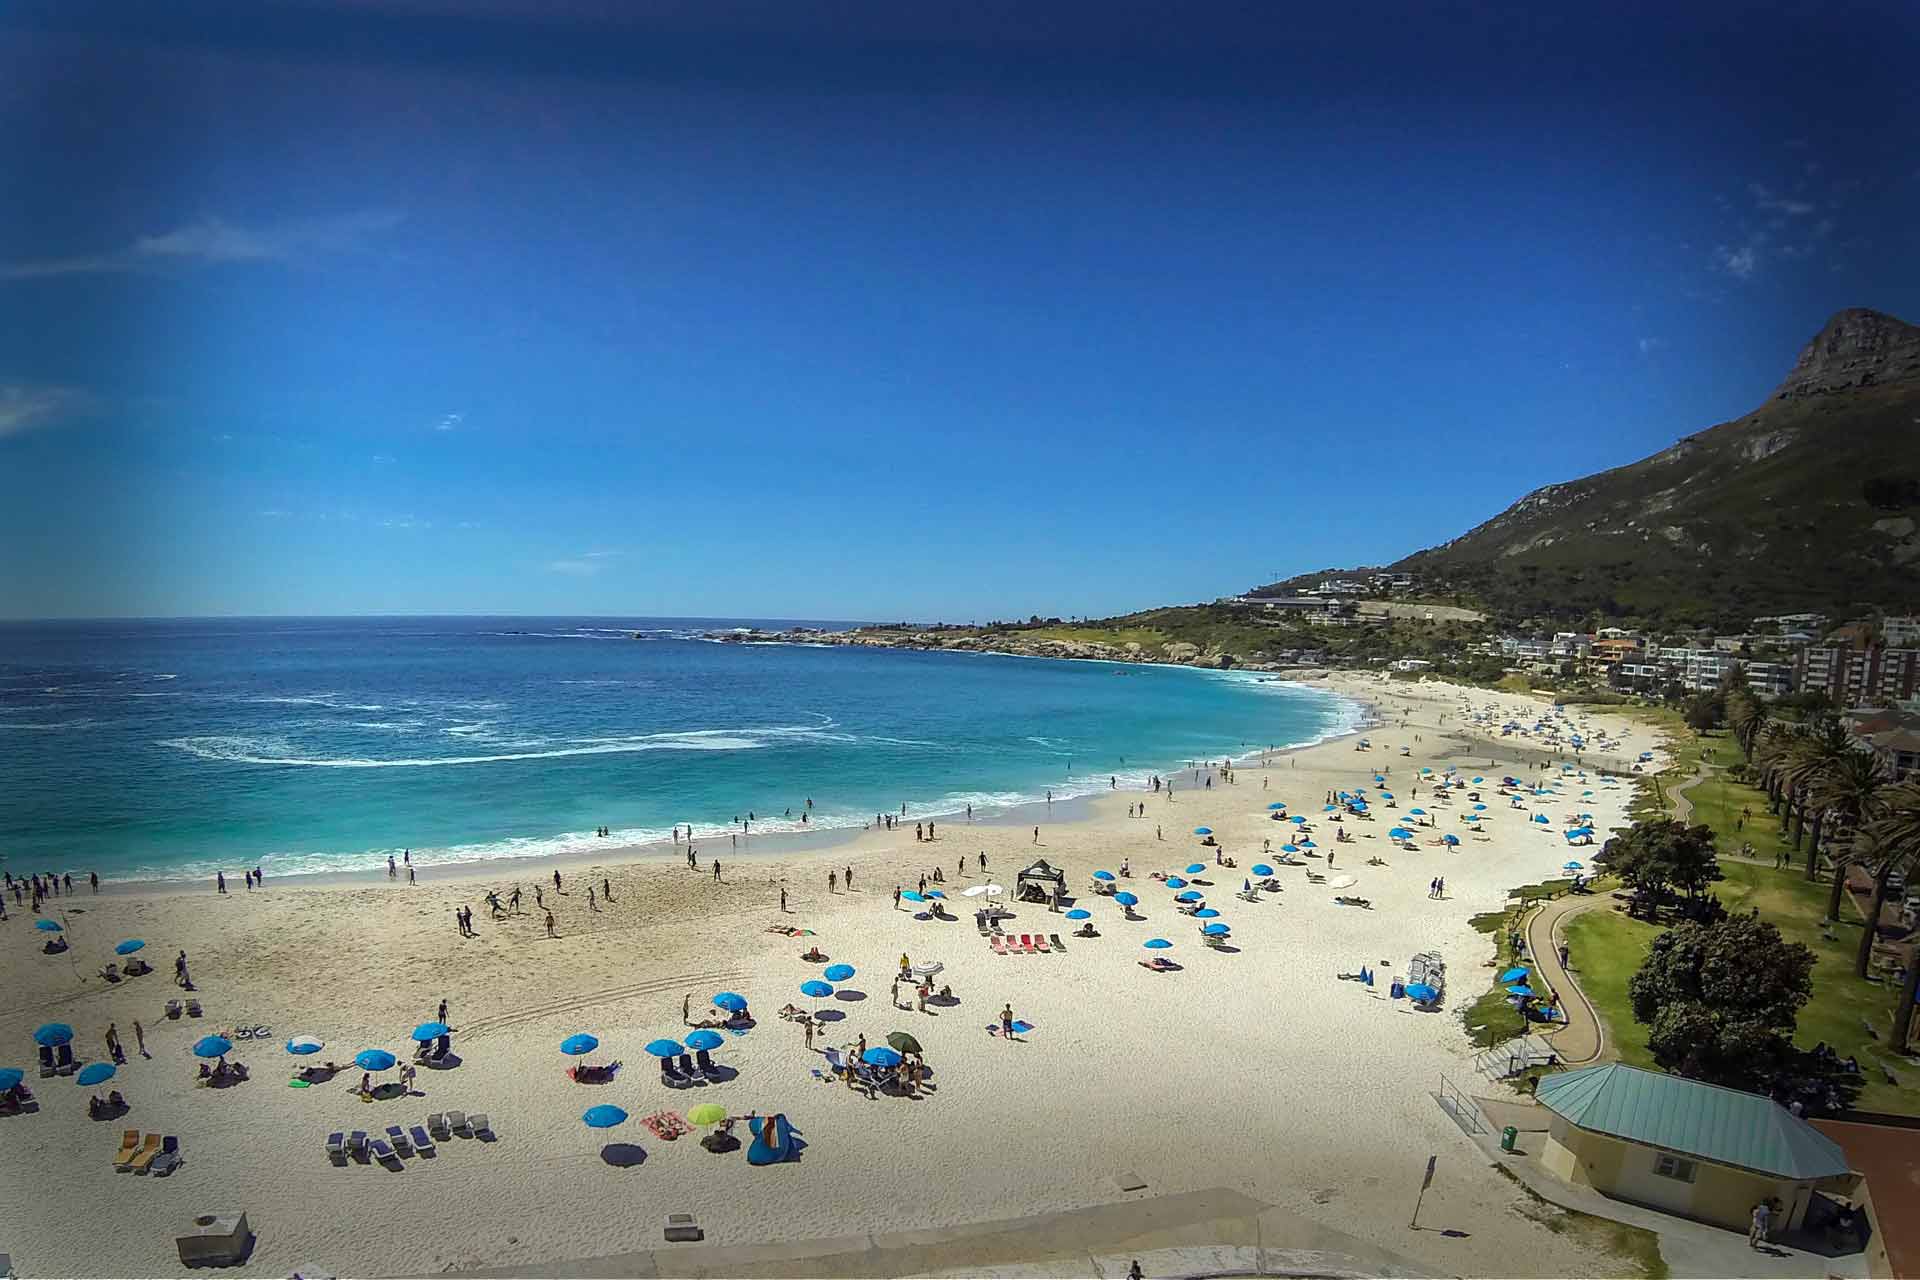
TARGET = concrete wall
(1718,1194)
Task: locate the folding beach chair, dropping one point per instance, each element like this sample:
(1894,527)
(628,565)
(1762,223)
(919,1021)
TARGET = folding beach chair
(169,1158)
(143,1158)
(1040,943)
(422,1143)
(337,1147)
(129,1143)
(398,1136)
(997,941)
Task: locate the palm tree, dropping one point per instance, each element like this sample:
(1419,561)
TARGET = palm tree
(1770,757)
(1848,791)
(1745,719)
(1897,830)
(1827,746)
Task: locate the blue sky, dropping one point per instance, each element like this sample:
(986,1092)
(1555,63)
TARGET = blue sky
(888,311)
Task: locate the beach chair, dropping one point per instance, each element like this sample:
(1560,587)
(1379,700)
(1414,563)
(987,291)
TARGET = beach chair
(482,1127)
(398,1137)
(997,941)
(173,1009)
(1020,946)
(670,1074)
(46,1061)
(1057,944)
(705,1062)
(193,1008)
(421,1142)
(383,1153)
(129,1143)
(1040,943)
(357,1144)
(143,1158)
(337,1148)
(437,1125)
(169,1158)
(63,1062)
(116,1101)
(688,1070)
(457,1124)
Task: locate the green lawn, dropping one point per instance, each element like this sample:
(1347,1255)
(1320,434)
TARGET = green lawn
(1495,1019)
(1607,949)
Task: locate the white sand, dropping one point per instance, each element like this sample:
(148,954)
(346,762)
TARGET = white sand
(1255,1070)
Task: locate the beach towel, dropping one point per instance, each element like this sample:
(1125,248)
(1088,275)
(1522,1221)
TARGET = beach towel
(1020,1027)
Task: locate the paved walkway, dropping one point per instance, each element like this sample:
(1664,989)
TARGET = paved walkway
(1582,1039)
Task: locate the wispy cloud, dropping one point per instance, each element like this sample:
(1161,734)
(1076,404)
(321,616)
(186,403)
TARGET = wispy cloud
(1771,201)
(214,241)
(450,422)
(585,565)
(24,407)
(1741,262)
(406,522)
(1650,345)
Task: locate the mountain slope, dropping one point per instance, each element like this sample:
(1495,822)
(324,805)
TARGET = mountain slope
(1810,502)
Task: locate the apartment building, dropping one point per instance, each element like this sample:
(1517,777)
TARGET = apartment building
(1871,676)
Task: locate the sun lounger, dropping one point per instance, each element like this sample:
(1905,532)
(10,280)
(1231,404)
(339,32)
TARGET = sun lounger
(995,940)
(1024,946)
(382,1152)
(1158,965)
(337,1147)
(169,1158)
(63,1060)
(143,1158)
(129,1143)
(437,1125)
(1040,943)
(457,1124)
(398,1136)
(688,1070)
(482,1127)
(173,1009)
(193,1008)
(421,1142)
(1057,944)
(705,1062)
(670,1074)
(46,1061)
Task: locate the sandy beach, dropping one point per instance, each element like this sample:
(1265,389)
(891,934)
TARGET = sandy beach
(1254,1068)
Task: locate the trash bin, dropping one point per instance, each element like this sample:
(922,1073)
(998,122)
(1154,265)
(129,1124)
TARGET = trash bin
(1508,1136)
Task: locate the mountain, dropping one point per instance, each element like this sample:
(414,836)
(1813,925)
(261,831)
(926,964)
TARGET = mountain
(1810,502)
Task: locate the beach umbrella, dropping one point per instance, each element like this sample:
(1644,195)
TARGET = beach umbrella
(904,1042)
(366,1059)
(881,1056)
(1191,895)
(1206,913)
(1449,838)
(706,1113)
(1306,842)
(94,1073)
(1278,804)
(46,926)
(575,1045)
(705,1039)
(1478,781)
(911,896)
(1156,944)
(1540,818)
(1298,818)
(1125,899)
(1386,795)
(52,1034)
(815,988)
(10,1077)
(1326,808)
(1570,866)
(430,1031)
(1422,992)
(664,1048)
(731,1001)
(128,947)
(1103,875)
(1174,882)
(1079,913)
(1519,989)
(1478,808)
(1400,833)
(1342,882)
(220,1047)
(1203,831)
(1196,868)
(1215,930)
(301,1046)
(1246,886)
(604,1116)
(1262,869)
(1289,848)
(1516,974)
(838,972)
(1418,812)
(936,893)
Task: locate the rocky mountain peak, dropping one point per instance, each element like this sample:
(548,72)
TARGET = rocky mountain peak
(1857,348)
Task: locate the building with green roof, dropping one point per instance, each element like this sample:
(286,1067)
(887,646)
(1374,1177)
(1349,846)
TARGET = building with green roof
(1685,1147)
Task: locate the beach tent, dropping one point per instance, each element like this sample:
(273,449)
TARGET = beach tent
(1044,879)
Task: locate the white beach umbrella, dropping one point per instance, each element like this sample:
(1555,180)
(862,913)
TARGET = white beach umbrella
(1342,882)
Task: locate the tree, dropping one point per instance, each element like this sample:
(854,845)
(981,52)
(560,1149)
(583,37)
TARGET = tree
(1746,718)
(1720,1000)
(1704,711)
(1660,856)
(1849,792)
(1890,843)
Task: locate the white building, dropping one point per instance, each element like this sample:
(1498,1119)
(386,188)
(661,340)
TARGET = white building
(1901,633)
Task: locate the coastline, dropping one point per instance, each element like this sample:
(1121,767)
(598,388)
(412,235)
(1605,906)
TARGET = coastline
(358,963)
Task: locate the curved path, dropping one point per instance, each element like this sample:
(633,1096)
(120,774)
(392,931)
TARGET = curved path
(1583,1038)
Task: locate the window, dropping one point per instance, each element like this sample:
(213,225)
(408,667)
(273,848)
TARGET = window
(1674,1167)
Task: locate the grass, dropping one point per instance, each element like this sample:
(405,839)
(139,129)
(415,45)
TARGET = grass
(1606,949)
(1490,1013)
(1635,1245)
(1146,637)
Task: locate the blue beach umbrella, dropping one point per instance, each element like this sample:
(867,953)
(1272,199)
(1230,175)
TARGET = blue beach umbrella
(936,893)
(1386,795)
(1570,866)
(1479,808)
(1215,930)
(1103,875)
(815,988)
(1418,812)
(838,972)
(1196,868)
(731,1001)
(128,947)
(302,1046)
(1516,974)
(1306,842)
(881,1056)
(664,1048)
(1206,913)
(1520,989)
(1326,808)
(1175,882)
(1540,818)
(1278,804)
(1262,869)
(1079,913)
(575,1045)
(217,1047)
(47,926)
(10,1077)
(1156,944)
(94,1073)
(1422,992)
(1203,831)
(1191,895)
(1449,838)
(52,1034)
(430,1031)
(705,1039)
(366,1059)
(604,1116)
(1478,781)
(1400,833)
(1298,818)
(1289,848)
(1126,899)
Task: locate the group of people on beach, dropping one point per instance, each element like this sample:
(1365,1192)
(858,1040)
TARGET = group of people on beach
(37,888)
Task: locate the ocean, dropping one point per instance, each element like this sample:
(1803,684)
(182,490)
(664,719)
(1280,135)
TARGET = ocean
(169,749)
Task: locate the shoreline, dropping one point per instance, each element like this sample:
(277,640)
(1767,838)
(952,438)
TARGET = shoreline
(785,839)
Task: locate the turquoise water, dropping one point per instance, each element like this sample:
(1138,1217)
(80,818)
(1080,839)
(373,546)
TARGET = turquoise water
(171,748)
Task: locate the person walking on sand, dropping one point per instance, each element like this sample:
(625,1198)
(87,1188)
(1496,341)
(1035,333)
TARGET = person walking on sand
(440,1016)
(716,871)
(833,882)
(849,880)
(140,1038)
(894,996)
(686,1009)
(513,907)
(556,879)
(1006,1021)
(550,931)
(220,881)
(410,879)
(114,1051)
(783,899)
(1036,835)
(592,904)
(896,897)
(606,889)
(806,1029)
